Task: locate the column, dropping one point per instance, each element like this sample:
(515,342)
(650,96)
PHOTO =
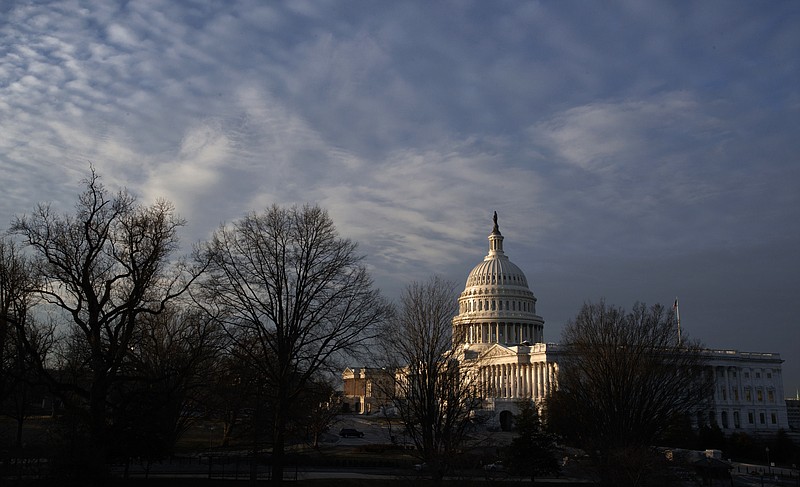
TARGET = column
(512,375)
(539,384)
(498,381)
(555,375)
(502,368)
(547,379)
(506,380)
(526,392)
(532,380)
(728,392)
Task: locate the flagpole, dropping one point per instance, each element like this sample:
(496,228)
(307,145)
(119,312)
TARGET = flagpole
(677,318)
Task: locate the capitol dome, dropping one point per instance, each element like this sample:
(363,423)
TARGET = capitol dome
(497,306)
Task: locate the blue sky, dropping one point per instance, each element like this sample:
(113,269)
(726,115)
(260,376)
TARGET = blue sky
(634,151)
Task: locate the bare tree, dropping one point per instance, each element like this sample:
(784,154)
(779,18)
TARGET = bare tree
(172,354)
(317,410)
(231,392)
(624,379)
(433,391)
(106,265)
(17,376)
(285,282)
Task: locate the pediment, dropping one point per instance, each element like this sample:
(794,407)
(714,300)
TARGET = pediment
(497,351)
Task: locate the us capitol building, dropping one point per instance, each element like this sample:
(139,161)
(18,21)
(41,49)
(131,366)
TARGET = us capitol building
(498,327)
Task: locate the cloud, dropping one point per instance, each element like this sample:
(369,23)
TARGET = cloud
(601,134)
(606,135)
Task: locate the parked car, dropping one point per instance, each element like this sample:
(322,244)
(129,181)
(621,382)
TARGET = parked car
(348,432)
(494,467)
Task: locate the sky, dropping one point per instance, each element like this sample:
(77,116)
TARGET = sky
(633,150)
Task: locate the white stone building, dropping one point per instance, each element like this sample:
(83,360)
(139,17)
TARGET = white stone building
(498,328)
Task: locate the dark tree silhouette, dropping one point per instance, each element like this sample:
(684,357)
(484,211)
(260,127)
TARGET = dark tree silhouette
(172,354)
(284,284)
(532,450)
(434,393)
(106,265)
(317,410)
(625,378)
(17,374)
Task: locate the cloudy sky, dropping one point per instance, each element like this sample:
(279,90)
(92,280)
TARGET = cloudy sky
(634,151)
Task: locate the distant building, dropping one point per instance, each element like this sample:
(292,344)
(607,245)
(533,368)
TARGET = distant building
(498,328)
(793,413)
(748,392)
(364,389)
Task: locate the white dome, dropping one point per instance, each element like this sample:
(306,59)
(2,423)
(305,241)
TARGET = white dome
(498,271)
(497,306)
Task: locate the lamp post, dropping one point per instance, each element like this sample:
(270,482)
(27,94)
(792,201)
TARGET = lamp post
(769,467)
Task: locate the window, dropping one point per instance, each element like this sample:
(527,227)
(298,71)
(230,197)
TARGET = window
(748,396)
(771,395)
(774,418)
(760,395)
(736,419)
(769,375)
(736,394)
(758,375)
(750,417)
(747,375)
(725,419)
(761,418)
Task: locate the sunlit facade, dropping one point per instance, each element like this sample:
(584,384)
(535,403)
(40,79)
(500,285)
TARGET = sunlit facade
(500,337)
(500,334)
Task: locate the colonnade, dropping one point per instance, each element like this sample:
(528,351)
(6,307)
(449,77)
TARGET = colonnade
(500,332)
(514,380)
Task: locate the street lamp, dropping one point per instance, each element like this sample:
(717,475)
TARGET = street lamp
(769,467)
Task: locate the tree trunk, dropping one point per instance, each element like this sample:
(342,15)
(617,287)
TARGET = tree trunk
(97,428)
(278,448)
(20,421)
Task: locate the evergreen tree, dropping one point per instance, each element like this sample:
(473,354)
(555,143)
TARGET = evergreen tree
(531,452)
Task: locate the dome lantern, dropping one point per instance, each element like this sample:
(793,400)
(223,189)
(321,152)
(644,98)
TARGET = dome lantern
(495,240)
